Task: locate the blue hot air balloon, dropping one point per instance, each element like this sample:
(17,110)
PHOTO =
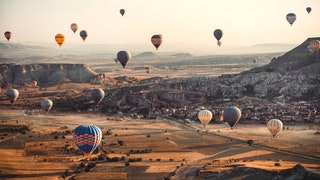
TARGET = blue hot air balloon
(87,138)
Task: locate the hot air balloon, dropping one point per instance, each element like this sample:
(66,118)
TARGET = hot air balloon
(254,61)
(291,17)
(218,35)
(148,69)
(314,45)
(83,34)
(33,83)
(7,34)
(74,27)
(123,57)
(59,39)
(274,126)
(87,138)
(122,11)
(156,40)
(12,95)
(46,104)
(308,9)
(231,115)
(205,117)
(97,95)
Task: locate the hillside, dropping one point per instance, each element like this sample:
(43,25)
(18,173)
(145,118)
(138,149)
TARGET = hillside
(45,74)
(295,75)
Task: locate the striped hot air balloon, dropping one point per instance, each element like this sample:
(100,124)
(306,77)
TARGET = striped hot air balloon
(87,138)
(205,117)
(274,126)
(314,45)
(59,39)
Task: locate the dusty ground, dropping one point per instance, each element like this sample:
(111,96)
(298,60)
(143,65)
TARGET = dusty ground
(165,147)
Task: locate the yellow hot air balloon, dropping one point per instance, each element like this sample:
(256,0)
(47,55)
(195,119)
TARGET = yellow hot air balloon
(74,27)
(205,117)
(59,39)
(274,126)
(314,45)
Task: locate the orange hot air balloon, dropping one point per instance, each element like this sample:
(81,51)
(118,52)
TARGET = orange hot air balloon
(7,34)
(219,43)
(74,27)
(59,39)
(314,45)
(156,40)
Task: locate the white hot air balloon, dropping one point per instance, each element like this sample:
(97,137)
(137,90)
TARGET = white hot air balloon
(46,104)
(274,126)
(12,95)
(205,117)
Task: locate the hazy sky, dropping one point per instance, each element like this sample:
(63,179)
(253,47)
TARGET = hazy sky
(184,24)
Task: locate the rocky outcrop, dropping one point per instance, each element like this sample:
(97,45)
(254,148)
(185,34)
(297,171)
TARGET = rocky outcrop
(295,75)
(45,74)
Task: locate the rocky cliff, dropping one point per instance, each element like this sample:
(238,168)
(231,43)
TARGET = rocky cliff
(295,75)
(45,74)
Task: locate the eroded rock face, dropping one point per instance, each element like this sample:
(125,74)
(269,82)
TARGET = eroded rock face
(296,74)
(45,74)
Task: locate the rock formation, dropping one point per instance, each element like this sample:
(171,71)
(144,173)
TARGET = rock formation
(45,74)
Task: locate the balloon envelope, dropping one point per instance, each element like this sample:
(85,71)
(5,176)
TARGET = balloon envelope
(46,104)
(156,40)
(59,39)
(87,138)
(148,69)
(97,95)
(7,34)
(83,34)
(231,115)
(12,95)
(33,83)
(74,27)
(314,45)
(291,17)
(274,126)
(122,11)
(218,34)
(308,9)
(123,57)
(205,117)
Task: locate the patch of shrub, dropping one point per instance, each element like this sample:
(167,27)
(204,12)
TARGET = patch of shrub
(250,142)
(277,164)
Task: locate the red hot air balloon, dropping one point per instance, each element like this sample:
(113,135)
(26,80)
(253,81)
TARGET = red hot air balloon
(7,34)
(156,40)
